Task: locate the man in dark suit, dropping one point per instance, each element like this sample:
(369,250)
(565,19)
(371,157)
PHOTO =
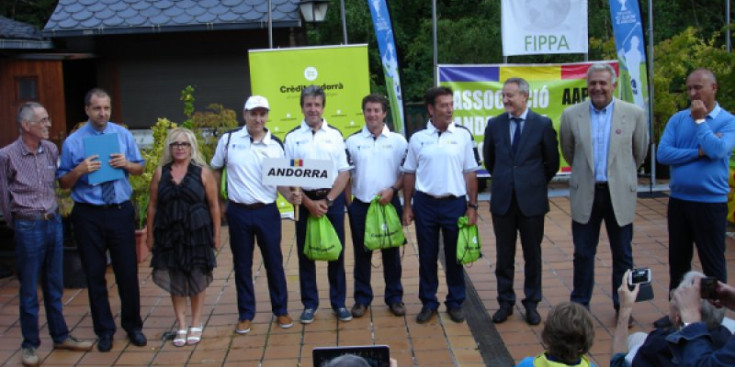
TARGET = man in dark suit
(521,154)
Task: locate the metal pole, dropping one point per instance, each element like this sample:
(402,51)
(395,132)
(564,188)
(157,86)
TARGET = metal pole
(344,22)
(650,94)
(433,30)
(270,24)
(727,23)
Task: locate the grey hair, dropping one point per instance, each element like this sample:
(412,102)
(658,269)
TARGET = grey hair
(26,111)
(521,83)
(601,66)
(711,315)
(313,91)
(347,360)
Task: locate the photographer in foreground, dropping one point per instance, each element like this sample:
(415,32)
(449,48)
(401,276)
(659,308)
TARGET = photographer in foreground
(652,349)
(692,345)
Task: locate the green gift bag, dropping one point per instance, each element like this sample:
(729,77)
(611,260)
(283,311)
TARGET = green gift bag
(468,242)
(223,184)
(383,228)
(322,242)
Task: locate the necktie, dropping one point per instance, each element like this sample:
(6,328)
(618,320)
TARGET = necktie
(108,192)
(516,135)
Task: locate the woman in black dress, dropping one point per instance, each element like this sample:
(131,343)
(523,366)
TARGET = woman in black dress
(184,220)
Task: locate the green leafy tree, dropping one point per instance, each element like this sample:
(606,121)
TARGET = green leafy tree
(679,56)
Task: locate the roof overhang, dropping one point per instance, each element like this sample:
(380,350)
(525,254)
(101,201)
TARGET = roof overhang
(100,31)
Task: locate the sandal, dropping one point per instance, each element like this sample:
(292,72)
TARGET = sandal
(195,335)
(180,339)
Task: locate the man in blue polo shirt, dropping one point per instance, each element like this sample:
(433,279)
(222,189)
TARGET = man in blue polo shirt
(103,219)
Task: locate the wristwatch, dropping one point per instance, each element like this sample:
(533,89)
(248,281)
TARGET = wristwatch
(329,201)
(473,205)
(699,121)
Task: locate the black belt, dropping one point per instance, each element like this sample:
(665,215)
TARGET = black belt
(445,197)
(35,216)
(601,185)
(103,206)
(252,206)
(317,194)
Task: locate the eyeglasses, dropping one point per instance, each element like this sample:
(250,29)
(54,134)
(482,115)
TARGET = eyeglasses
(180,144)
(43,120)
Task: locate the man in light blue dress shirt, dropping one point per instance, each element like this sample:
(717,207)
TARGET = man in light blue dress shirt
(103,220)
(604,140)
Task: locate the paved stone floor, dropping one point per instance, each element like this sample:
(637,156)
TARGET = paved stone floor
(438,343)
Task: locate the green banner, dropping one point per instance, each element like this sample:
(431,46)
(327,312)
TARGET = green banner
(281,74)
(478,91)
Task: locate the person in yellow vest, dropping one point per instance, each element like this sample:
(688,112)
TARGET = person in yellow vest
(568,335)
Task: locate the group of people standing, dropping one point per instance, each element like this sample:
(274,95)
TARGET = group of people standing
(439,162)
(604,140)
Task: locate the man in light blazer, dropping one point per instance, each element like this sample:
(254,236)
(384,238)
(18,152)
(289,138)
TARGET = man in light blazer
(605,141)
(521,153)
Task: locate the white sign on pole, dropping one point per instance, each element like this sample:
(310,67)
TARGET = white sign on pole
(297,172)
(532,27)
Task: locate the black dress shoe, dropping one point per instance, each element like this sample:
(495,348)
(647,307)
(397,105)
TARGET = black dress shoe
(104,344)
(456,314)
(502,314)
(138,339)
(425,315)
(532,316)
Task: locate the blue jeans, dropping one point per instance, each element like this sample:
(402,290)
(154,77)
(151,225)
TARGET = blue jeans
(39,254)
(586,237)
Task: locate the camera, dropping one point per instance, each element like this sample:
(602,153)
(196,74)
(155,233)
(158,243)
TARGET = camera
(639,276)
(707,287)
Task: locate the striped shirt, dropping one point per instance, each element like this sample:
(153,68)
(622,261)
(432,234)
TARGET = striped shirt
(27,180)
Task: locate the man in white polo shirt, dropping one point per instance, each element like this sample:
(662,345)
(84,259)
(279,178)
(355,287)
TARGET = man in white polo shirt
(251,211)
(377,154)
(315,139)
(440,175)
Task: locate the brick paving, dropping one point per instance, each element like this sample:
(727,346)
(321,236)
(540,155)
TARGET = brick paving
(438,343)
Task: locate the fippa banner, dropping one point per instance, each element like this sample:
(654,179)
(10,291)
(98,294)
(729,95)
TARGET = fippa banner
(281,74)
(478,91)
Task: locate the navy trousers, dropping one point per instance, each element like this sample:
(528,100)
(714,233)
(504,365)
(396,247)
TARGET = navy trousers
(97,230)
(363,258)
(431,216)
(264,225)
(335,269)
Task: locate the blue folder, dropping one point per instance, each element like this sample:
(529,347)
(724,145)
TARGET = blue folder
(103,145)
